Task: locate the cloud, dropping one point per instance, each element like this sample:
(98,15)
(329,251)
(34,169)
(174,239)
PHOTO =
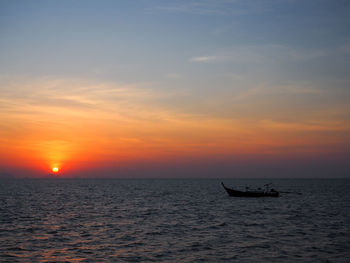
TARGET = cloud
(203,59)
(214,7)
(111,122)
(69,97)
(302,89)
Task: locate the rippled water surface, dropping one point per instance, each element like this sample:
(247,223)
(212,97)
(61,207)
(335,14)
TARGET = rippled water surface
(173,221)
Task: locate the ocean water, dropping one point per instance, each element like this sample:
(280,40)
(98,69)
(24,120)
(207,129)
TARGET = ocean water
(193,220)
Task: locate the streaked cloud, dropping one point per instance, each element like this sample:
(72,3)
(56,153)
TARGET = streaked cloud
(203,59)
(268,53)
(210,7)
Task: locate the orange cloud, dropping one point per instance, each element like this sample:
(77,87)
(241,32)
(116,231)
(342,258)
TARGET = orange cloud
(76,125)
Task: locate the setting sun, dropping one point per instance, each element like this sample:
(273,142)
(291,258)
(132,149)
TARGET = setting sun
(55,169)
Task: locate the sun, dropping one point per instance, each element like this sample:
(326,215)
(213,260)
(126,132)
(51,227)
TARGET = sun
(55,169)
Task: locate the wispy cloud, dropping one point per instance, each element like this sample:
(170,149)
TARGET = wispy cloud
(266,55)
(68,97)
(110,121)
(203,59)
(214,7)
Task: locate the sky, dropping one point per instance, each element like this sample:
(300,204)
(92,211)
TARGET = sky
(180,89)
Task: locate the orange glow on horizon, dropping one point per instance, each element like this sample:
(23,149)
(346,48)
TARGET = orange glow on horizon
(85,131)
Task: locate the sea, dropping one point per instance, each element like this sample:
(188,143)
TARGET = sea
(173,220)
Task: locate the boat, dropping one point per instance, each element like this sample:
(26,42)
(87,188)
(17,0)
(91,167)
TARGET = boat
(252,193)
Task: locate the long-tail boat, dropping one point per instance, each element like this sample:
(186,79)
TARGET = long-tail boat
(251,193)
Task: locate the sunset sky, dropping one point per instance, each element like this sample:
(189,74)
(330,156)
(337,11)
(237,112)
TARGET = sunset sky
(154,88)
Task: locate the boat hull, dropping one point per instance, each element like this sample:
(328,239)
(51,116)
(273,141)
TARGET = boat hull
(232,192)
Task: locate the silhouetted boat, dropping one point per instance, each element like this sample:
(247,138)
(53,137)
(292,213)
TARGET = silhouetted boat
(251,193)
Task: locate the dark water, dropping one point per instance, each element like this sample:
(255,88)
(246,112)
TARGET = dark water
(172,221)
